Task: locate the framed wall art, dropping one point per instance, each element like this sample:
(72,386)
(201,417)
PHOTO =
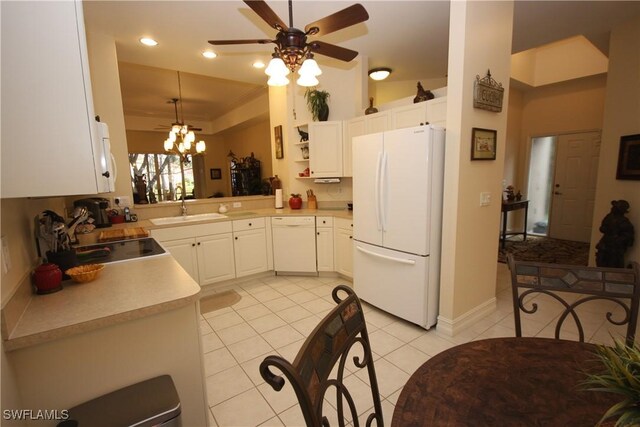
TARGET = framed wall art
(629,158)
(277,131)
(216,173)
(483,144)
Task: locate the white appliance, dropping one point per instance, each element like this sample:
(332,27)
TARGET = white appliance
(294,244)
(397,194)
(105,163)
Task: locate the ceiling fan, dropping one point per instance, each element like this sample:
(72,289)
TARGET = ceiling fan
(291,43)
(179,123)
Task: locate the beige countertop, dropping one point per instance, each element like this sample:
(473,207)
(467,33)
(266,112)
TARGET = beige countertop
(124,291)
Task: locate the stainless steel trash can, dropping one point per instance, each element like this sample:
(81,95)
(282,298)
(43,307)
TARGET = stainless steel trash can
(154,402)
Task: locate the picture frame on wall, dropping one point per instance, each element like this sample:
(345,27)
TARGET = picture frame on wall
(629,158)
(483,144)
(215,173)
(277,131)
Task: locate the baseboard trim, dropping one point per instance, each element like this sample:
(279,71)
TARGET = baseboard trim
(451,327)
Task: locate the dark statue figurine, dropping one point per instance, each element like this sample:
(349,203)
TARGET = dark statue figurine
(304,136)
(422,95)
(618,235)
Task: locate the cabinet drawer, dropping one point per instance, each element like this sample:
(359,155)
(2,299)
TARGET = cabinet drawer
(248,224)
(324,221)
(173,233)
(344,224)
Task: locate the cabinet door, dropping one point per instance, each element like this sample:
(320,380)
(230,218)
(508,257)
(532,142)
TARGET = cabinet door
(353,127)
(250,249)
(215,258)
(184,251)
(344,252)
(325,149)
(409,116)
(50,134)
(324,248)
(378,122)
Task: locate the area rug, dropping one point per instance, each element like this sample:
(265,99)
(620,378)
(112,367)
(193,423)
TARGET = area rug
(544,249)
(219,301)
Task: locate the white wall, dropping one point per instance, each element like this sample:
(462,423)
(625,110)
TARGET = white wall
(621,117)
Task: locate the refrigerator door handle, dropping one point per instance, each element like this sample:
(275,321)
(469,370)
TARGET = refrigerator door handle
(377,191)
(383,191)
(389,258)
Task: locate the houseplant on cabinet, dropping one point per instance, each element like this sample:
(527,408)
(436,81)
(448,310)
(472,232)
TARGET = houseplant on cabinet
(317,101)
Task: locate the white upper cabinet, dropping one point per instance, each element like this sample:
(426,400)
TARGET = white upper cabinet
(363,125)
(325,149)
(49,139)
(409,115)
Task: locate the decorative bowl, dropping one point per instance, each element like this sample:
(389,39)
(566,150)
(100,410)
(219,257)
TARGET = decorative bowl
(85,273)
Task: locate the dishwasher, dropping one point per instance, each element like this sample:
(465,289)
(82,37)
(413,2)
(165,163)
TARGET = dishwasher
(294,244)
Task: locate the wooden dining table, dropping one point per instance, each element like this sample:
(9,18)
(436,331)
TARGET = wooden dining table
(505,382)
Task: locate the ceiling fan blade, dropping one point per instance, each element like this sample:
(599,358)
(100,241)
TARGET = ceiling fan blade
(225,42)
(352,15)
(328,49)
(266,13)
(194,128)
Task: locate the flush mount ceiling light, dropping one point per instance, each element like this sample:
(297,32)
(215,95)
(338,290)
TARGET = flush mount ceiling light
(148,41)
(209,54)
(379,73)
(258,64)
(292,49)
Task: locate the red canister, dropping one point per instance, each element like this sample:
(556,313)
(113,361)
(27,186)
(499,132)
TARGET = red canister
(48,278)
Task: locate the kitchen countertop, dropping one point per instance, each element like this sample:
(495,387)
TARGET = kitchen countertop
(124,291)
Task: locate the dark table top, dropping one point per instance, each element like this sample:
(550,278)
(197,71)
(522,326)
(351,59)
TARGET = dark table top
(505,382)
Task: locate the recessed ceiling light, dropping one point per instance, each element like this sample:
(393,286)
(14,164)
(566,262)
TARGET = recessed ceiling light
(379,73)
(209,54)
(258,64)
(148,41)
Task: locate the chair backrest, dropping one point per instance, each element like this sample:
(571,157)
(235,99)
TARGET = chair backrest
(619,285)
(331,343)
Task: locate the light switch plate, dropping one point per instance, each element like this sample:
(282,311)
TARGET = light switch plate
(237,204)
(485,198)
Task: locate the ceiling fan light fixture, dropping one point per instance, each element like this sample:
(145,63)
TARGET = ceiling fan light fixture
(147,41)
(379,73)
(310,67)
(278,81)
(307,80)
(276,68)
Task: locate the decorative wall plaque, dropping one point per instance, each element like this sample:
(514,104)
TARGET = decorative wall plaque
(487,93)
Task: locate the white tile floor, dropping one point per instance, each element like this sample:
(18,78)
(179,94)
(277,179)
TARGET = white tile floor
(276,314)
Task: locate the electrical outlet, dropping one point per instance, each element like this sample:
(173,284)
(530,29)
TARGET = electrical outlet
(121,201)
(485,198)
(237,204)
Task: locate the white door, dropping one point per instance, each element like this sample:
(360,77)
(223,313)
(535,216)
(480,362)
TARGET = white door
(406,189)
(367,155)
(183,251)
(215,258)
(575,186)
(325,149)
(344,252)
(324,248)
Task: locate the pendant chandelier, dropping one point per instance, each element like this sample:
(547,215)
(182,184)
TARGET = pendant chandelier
(181,140)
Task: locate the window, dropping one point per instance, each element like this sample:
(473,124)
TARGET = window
(162,175)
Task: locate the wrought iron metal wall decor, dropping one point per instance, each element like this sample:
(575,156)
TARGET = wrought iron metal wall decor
(277,133)
(629,157)
(487,93)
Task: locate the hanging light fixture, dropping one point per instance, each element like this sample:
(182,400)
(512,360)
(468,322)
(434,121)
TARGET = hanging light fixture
(287,58)
(181,139)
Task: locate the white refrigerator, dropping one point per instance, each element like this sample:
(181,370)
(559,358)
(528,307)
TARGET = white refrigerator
(397,212)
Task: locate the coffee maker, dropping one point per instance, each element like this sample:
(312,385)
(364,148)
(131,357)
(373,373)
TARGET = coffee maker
(97,207)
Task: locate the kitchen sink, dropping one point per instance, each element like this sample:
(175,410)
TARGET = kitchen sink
(240,213)
(186,218)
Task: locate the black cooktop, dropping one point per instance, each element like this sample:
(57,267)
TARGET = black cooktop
(120,250)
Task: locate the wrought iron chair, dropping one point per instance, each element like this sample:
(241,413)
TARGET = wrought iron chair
(621,286)
(330,344)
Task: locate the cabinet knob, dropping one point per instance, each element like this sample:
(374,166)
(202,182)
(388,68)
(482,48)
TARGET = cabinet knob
(250,224)
(318,233)
(193,245)
(106,174)
(351,237)
(324,222)
(236,238)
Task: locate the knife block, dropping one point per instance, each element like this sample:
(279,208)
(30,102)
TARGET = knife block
(312,202)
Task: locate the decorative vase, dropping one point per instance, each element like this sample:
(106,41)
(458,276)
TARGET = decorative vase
(371,108)
(323,114)
(295,202)
(47,278)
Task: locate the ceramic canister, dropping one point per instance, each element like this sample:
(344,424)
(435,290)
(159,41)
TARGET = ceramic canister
(48,278)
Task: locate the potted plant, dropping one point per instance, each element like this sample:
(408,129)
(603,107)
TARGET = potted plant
(295,202)
(622,376)
(317,101)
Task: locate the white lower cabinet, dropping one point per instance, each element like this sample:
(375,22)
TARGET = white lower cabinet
(215,258)
(250,246)
(324,243)
(184,251)
(343,238)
